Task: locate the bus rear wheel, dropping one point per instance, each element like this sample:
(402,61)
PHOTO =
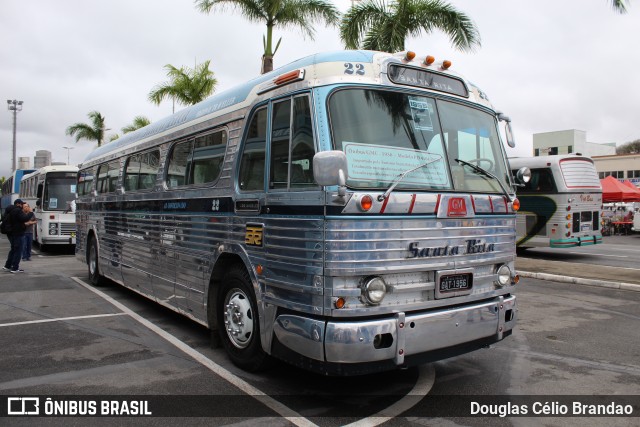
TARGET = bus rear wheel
(95,278)
(239,323)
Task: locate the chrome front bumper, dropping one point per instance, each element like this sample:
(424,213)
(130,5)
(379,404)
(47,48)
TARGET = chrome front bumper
(396,337)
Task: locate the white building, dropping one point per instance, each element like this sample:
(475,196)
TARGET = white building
(567,142)
(42,159)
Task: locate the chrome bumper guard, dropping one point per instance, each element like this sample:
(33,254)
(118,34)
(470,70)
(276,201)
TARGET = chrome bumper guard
(398,336)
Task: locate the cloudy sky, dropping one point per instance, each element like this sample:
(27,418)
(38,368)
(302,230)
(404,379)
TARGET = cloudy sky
(550,65)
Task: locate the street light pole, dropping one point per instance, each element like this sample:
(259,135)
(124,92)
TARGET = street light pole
(15,106)
(68,148)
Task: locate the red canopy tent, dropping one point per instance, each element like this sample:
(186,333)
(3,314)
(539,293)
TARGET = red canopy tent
(630,184)
(615,191)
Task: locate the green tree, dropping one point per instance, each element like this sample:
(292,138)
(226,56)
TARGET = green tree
(299,14)
(632,147)
(186,86)
(91,132)
(385,25)
(619,6)
(138,122)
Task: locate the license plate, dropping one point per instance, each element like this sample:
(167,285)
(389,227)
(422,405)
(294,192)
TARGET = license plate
(585,227)
(455,282)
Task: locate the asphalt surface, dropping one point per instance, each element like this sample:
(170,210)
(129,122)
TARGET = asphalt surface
(583,273)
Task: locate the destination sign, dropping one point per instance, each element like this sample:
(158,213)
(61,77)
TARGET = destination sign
(427,79)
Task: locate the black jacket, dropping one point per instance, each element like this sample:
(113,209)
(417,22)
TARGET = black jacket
(16,218)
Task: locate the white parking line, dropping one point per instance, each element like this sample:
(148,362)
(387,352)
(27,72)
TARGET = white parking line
(59,319)
(591,253)
(425,381)
(247,388)
(423,385)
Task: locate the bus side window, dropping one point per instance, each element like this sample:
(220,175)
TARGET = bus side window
(208,156)
(302,147)
(251,174)
(292,147)
(149,164)
(114,168)
(101,183)
(280,133)
(131,172)
(178,163)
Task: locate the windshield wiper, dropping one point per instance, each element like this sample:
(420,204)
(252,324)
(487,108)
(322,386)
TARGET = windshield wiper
(400,177)
(488,174)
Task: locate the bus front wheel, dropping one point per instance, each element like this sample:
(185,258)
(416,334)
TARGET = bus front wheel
(238,321)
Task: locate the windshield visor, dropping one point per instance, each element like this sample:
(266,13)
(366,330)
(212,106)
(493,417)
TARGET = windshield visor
(384,134)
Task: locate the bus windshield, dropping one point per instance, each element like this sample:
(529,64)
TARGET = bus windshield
(386,133)
(59,191)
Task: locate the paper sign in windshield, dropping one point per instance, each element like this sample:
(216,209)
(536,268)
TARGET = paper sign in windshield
(421,114)
(384,164)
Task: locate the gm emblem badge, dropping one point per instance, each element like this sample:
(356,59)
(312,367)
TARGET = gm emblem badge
(253,235)
(457,207)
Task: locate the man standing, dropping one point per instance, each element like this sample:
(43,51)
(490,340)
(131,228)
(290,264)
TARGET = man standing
(28,233)
(18,221)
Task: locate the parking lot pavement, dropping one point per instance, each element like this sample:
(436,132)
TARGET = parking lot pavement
(61,338)
(582,271)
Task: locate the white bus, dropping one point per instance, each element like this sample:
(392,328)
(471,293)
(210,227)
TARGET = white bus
(51,192)
(561,205)
(348,213)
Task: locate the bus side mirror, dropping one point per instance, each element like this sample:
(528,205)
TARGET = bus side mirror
(523,175)
(330,168)
(508,131)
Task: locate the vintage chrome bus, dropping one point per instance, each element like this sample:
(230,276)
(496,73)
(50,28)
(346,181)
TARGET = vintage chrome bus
(11,187)
(348,213)
(51,191)
(561,205)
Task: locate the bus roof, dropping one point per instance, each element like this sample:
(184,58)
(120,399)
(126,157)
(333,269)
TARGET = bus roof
(544,161)
(247,92)
(53,168)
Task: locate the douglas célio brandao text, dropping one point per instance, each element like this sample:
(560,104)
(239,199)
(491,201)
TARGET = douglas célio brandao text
(551,409)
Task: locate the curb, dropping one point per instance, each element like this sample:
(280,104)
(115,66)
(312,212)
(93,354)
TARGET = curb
(581,281)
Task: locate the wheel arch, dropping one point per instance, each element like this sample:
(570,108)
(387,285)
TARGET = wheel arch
(223,263)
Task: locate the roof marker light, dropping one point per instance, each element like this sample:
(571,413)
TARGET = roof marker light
(429,60)
(446,64)
(409,56)
(289,77)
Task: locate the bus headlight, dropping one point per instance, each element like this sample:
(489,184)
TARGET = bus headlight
(373,290)
(504,275)
(53,229)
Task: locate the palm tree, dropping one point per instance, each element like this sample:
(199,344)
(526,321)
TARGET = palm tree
(187,86)
(138,122)
(385,25)
(619,6)
(90,132)
(283,13)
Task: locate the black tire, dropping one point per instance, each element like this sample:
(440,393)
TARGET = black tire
(239,323)
(93,267)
